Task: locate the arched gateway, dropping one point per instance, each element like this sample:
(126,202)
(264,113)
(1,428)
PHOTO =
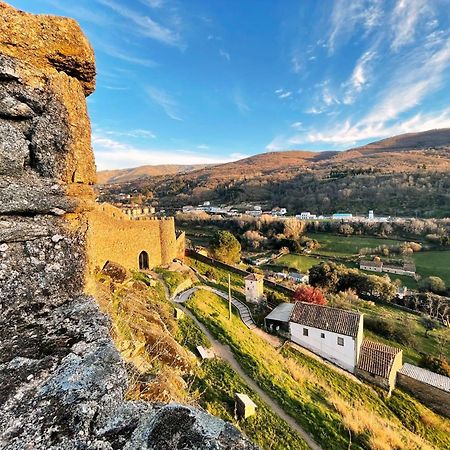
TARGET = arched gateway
(143,261)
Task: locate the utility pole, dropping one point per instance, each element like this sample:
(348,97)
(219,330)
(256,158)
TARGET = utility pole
(229,297)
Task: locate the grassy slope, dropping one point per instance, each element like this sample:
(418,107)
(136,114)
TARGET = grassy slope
(325,403)
(434,263)
(218,382)
(333,245)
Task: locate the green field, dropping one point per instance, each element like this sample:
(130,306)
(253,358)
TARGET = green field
(337,411)
(334,245)
(435,263)
(301,263)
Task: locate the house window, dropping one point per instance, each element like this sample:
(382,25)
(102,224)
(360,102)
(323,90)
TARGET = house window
(305,331)
(322,335)
(340,341)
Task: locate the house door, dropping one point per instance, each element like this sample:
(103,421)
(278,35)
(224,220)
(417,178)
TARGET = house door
(143,261)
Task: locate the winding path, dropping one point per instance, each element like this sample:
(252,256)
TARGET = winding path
(224,352)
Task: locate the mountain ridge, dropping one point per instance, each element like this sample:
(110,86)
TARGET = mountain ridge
(406,175)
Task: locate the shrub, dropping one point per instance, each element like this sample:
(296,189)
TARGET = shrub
(436,364)
(309,294)
(225,247)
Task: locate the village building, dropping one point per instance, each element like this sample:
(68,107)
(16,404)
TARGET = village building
(371,266)
(332,333)
(429,387)
(341,216)
(278,319)
(379,363)
(306,215)
(254,287)
(298,277)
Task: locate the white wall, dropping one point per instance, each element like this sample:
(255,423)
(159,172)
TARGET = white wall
(328,348)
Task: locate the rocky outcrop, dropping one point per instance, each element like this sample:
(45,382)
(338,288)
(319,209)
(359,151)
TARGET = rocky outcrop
(62,381)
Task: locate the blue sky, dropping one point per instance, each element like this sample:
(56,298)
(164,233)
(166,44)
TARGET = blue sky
(182,82)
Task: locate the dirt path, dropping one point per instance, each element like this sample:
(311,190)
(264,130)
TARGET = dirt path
(225,353)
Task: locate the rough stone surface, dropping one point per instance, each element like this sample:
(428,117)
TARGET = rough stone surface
(62,381)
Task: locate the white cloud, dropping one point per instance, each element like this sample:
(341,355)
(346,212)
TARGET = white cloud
(112,154)
(281,93)
(297,125)
(165,101)
(119,54)
(359,77)
(137,133)
(144,24)
(417,77)
(296,64)
(285,94)
(153,3)
(224,54)
(405,20)
(349,134)
(240,103)
(203,147)
(347,15)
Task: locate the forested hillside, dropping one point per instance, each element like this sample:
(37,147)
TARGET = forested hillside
(405,175)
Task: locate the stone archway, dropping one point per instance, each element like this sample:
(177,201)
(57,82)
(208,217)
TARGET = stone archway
(143,261)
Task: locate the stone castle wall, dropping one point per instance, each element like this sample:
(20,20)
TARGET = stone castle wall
(62,381)
(112,236)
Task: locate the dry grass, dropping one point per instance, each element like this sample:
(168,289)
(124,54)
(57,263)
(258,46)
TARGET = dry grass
(142,327)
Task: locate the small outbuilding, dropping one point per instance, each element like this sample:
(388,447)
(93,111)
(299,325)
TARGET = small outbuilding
(431,388)
(278,319)
(379,363)
(244,406)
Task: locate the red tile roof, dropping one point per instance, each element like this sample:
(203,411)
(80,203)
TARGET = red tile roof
(377,358)
(326,318)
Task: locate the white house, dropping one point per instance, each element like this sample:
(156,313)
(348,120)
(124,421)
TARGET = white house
(372,266)
(332,333)
(305,215)
(254,287)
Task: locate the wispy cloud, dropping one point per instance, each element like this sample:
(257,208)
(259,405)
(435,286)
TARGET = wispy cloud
(297,125)
(153,3)
(405,20)
(359,77)
(417,77)
(224,54)
(282,93)
(347,133)
(346,15)
(137,133)
(240,103)
(145,25)
(165,101)
(113,154)
(296,64)
(127,57)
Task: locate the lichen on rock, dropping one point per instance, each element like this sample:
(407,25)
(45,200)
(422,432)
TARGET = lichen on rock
(62,381)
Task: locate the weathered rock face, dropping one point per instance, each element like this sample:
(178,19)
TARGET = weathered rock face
(62,381)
